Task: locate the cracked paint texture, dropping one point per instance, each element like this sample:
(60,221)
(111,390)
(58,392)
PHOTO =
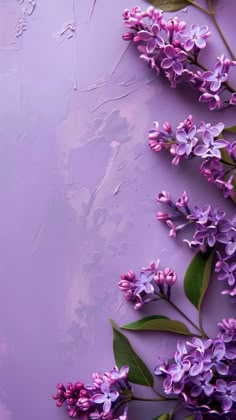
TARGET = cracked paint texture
(77,194)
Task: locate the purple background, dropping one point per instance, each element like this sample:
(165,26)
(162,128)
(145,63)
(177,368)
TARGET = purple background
(77,195)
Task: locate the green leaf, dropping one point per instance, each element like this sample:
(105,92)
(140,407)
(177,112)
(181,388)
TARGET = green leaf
(231,129)
(158,323)
(197,277)
(189,418)
(125,355)
(169,5)
(164,416)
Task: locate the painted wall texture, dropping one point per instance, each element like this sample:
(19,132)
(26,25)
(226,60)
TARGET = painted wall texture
(77,193)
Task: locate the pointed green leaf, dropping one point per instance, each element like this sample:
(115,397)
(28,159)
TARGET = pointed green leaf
(157,323)
(169,5)
(125,355)
(231,129)
(164,416)
(197,277)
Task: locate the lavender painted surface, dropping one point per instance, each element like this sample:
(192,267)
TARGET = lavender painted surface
(77,186)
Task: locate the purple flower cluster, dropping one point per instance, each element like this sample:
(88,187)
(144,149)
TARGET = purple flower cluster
(151,282)
(212,229)
(169,47)
(104,399)
(203,373)
(189,141)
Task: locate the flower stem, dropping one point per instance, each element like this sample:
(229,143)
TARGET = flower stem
(216,23)
(198,6)
(152,399)
(157,393)
(199,329)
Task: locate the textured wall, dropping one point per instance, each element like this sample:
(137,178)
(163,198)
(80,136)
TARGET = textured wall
(77,193)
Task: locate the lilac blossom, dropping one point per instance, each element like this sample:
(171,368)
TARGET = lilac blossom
(101,400)
(228,272)
(216,77)
(202,141)
(226,392)
(144,283)
(106,397)
(211,229)
(186,140)
(210,146)
(152,37)
(172,48)
(229,239)
(202,375)
(214,101)
(151,281)
(195,36)
(173,59)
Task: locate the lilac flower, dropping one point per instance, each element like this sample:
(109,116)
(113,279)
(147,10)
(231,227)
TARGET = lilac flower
(227,393)
(97,401)
(195,36)
(216,77)
(213,358)
(227,224)
(152,38)
(231,292)
(213,100)
(229,239)
(228,328)
(209,234)
(174,59)
(202,384)
(106,397)
(216,216)
(116,374)
(226,186)
(200,215)
(211,229)
(210,146)
(227,273)
(182,365)
(144,283)
(197,365)
(164,197)
(170,276)
(133,17)
(141,291)
(199,345)
(183,200)
(187,140)
(169,46)
(212,131)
